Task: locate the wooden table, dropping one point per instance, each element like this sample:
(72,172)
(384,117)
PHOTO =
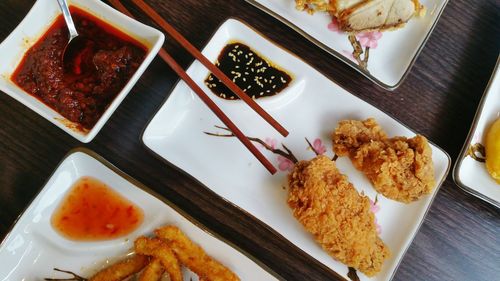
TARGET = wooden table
(460,238)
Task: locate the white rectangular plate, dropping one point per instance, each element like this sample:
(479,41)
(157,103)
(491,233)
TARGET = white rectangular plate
(33,248)
(470,174)
(391,56)
(310,107)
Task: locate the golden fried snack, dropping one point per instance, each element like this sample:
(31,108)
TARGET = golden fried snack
(329,207)
(153,271)
(122,269)
(193,256)
(312,6)
(160,250)
(399,168)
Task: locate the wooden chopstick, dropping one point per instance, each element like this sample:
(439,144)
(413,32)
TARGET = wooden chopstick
(215,109)
(215,70)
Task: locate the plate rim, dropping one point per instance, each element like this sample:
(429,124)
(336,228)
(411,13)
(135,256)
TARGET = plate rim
(245,212)
(472,130)
(341,57)
(97,157)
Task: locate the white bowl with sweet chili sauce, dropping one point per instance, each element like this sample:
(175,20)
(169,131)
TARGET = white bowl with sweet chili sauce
(67,110)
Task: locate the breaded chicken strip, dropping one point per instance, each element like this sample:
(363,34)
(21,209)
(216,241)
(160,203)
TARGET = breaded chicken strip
(399,168)
(331,209)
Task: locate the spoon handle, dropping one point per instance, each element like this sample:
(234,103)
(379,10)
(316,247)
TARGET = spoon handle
(63,4)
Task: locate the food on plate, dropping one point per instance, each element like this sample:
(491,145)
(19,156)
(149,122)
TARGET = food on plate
(366,15)
(153,271)
(166,252)
(106,62)
(93,211)
(340,219)
(312,6)
(193,256)
(399,168)
(251,72)
(122,269)
(160,250)
(492,150)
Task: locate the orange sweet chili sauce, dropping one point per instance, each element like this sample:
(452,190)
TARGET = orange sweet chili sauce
(92,211)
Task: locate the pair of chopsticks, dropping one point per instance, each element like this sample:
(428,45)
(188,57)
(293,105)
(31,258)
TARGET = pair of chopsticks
(216,71)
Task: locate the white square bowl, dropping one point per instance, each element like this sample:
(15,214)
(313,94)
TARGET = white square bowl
(35,24)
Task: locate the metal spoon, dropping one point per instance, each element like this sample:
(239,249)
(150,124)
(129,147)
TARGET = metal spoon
(75,43)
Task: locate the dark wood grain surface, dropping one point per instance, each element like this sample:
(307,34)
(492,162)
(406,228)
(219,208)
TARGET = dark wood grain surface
(460,238)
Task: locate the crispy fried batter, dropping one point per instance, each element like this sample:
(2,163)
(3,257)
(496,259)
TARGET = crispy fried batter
(122,269)
(160,250)
(193,256)
(312,6)
(331,209)
(399,168)
(153,271)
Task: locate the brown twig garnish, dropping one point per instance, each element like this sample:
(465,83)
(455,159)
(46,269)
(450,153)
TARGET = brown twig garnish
(75,277)
(477,152)
(312,147)
(352,274)
(285,153)
(358,51)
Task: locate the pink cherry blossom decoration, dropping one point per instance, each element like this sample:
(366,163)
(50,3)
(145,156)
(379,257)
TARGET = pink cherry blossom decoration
(375,208)
(319,147)
(369,39)
(334,26)
(285,164)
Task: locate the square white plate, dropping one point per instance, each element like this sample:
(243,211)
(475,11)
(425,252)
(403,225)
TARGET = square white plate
(389,62)
(33,248)
(468,173)
(35,24)
(310,107)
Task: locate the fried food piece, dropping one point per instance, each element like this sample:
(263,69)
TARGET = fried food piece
(492,148)
(153,271)
(369,15)
(193,256)
(330,208)
(122,269)
(312,6)
(365,15)
(160,250)
(399,168)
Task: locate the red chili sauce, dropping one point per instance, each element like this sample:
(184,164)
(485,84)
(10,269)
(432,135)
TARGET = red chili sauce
(92,211)
(100,70)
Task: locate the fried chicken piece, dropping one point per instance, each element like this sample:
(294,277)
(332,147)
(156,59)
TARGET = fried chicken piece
(330,208)
(399,168)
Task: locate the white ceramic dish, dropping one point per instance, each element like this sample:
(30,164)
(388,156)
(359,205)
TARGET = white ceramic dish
(310,107)
(391,56)
(468,173)
(33,248)
(34,25)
